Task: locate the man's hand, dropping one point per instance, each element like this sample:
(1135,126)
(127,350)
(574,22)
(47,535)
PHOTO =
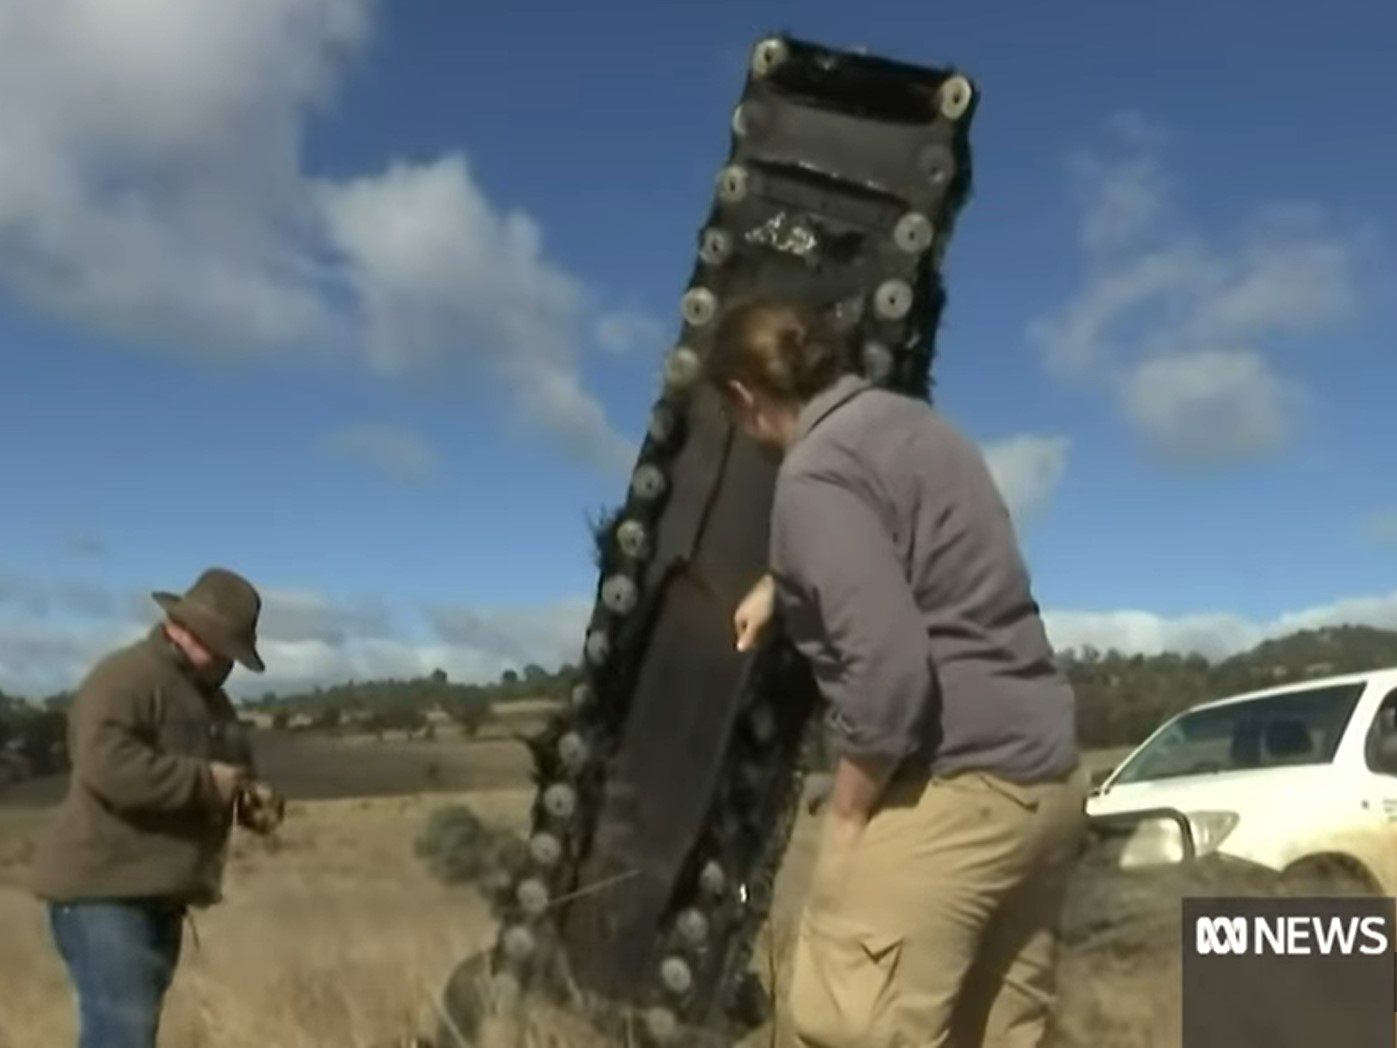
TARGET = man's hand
(858,783)
(227,780)
(260,808)
(754,614)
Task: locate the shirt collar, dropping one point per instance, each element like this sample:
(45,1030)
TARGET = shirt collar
(842,390)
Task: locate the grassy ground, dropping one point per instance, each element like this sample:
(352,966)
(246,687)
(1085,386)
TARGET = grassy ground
(336,936)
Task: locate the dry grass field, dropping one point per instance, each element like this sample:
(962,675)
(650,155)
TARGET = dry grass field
(334,935)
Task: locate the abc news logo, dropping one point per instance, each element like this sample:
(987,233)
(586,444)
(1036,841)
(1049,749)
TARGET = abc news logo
(1292,936)
(1289,972)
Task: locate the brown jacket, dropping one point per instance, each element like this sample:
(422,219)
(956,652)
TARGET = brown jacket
(142,817)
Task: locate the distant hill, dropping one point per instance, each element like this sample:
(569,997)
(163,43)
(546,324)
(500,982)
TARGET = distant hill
(1121,698)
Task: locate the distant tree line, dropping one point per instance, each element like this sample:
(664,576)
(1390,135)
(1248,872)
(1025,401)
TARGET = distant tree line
(406,705)
(1120,698)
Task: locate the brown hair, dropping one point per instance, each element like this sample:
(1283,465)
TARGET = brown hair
(782,348)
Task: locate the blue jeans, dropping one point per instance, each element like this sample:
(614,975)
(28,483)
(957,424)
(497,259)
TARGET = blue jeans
(121,956)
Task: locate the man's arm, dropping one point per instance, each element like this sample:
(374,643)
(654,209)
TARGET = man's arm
(115,755)
(832,554)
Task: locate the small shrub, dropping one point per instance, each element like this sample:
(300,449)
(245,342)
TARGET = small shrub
(459,848)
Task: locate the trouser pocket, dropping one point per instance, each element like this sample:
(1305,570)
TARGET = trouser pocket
(842,984)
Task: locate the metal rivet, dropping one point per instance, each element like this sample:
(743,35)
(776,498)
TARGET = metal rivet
(768,54)
(664,423)
(715,246)
(699,306)
(937,164)
(648,483)
(682,369)
(573,751)
(712,879)
(518,943)
(913,233)
(598,647)
(633,540)
(692,926)
(893,299)
(877,362)
(505,988)
(762,722)
(560,800)
(545,849)
(732,184)
(677,976)
(661,1024)
(532,895)
(619,594)
(581,695)
(955,96)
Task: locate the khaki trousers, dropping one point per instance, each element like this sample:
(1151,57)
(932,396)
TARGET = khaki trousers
(937,925)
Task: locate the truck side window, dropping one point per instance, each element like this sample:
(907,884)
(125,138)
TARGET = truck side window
(1381,749)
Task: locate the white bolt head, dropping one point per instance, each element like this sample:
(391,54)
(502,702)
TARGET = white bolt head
(715,246)
(573,750)
(560,800)
(648,483)
(633,540)
(893,299)
(676,975)
(768,54)
(619,594)
(518,943)
(712,879)
(733,184)
(692,926)
(699,306)
(532,895)
(682,369)
(661,1025)
(598,647)
(545,849)
(955,95)
(913,233)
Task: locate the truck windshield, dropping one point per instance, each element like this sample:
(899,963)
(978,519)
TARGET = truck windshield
(1294,727)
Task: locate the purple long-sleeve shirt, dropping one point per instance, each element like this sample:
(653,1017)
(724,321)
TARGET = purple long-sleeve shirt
(898,574)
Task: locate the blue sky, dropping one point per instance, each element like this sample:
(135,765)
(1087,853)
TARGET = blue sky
(367,301)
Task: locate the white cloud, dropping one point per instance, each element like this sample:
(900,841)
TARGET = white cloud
(399,455)
(308,639)
(1216,634)
(153,190)
(1210,405)
(1028,470)
(1182,327)
(296,616)
(550,634)
(52,633)
(628,330)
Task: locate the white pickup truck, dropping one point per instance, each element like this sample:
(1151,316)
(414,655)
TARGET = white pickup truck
(1301,780)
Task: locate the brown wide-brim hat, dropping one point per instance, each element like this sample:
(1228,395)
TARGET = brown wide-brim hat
(221,609)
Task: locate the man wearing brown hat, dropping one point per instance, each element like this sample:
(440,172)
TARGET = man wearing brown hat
(161,770)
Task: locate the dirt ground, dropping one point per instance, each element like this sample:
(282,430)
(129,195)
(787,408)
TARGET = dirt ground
(335,935)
